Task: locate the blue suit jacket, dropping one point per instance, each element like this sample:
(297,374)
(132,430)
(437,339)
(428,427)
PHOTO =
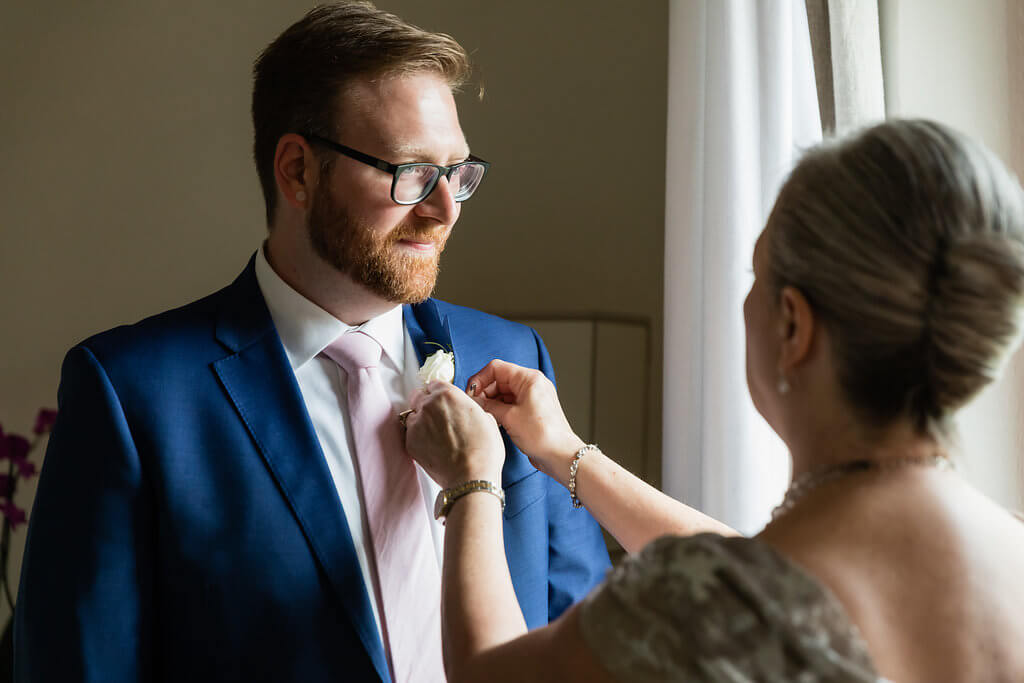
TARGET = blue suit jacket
(186,526)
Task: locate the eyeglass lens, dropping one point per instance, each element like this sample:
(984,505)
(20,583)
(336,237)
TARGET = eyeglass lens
(414,183)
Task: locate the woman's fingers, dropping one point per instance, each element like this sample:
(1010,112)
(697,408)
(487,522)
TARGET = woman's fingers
(495,407)
(502,380)
(441,398)
(451,437)
(416,400)
(491,390)
(484,378)
(437,386)
(497,376)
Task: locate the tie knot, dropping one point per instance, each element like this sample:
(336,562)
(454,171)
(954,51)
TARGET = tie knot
(353,351)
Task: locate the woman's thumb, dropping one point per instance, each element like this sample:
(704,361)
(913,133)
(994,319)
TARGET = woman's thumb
(496,407)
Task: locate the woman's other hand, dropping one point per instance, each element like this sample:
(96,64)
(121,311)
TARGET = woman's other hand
(452,438)
(525,403)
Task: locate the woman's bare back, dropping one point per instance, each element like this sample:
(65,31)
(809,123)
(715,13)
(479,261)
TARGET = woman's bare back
(926,567)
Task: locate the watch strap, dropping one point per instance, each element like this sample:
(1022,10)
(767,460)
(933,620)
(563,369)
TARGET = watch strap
(447,497)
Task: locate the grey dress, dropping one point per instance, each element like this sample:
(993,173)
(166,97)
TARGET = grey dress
(712,608)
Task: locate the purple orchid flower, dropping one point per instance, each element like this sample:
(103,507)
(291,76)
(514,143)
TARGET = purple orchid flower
(44,421)
(17,451)
(25,468)
(17,447)
(14,514)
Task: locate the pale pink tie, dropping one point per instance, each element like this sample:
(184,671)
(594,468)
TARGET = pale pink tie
(408,577)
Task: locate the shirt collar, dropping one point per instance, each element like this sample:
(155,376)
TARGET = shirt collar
(306,329)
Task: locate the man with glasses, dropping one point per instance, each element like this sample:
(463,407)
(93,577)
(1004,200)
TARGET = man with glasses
(226,494)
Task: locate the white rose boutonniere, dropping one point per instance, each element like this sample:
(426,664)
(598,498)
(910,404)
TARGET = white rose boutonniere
(439,366)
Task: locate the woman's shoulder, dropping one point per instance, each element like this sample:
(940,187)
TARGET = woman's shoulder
(703,606)
(706,567)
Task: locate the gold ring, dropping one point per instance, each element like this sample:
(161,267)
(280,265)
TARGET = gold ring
(404,415)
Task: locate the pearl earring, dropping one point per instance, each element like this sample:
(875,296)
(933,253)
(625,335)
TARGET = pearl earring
(783,385)
(300,196)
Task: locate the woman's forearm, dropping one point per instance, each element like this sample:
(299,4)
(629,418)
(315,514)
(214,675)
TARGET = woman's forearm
(630,509)
(483,630)
(525,403)
(479,609)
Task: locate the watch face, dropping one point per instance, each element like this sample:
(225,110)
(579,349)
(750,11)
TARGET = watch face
(439,504)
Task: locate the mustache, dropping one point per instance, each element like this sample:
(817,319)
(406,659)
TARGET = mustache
(420,234)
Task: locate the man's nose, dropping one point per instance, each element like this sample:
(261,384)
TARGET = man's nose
(440,204)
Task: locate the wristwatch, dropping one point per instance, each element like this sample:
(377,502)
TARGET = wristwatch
(447,497)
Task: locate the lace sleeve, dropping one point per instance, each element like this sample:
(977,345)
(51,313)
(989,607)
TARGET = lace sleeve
(710,608)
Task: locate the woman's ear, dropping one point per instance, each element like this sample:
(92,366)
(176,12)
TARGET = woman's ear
(797,328)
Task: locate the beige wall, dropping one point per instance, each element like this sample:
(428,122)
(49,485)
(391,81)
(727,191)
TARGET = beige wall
(960,62)
(126,184)
(572,217)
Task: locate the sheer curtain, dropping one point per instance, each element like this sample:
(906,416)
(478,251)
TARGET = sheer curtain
(742,104)
(847,49)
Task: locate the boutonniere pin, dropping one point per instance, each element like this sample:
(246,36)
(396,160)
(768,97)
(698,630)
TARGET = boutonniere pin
(439,366)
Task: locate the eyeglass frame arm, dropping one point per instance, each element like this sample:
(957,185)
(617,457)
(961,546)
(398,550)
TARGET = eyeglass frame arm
(389,167)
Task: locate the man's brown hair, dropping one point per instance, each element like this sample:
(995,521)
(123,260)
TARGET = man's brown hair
(298,77)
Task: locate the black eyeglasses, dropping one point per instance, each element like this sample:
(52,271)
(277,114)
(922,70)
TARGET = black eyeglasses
(412,183)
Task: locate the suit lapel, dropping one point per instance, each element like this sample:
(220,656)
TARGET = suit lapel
(261,385)
(428,327)
(426,323)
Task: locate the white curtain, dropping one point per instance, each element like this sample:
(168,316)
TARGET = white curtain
(1015,49)
(742,105)
(846,45)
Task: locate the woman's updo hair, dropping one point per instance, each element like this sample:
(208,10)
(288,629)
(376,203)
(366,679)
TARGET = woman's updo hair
(908,241)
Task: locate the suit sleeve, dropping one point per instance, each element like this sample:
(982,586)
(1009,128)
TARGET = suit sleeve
(85,600)
(577,555)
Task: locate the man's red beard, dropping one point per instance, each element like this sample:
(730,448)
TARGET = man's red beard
(373,258)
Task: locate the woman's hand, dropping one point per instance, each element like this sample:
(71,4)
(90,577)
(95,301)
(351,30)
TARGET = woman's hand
(525,403)
(452,438)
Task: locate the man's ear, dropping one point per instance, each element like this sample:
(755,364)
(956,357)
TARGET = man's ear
(797,328)
(295,169)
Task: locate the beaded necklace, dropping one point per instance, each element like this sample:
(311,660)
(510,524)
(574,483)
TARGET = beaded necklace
(812,479)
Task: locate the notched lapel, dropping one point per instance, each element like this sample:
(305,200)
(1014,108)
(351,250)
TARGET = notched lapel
(260,383)
(427,328)
(426,323)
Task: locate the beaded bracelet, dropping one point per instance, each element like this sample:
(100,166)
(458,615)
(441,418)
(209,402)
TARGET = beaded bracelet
(572,472)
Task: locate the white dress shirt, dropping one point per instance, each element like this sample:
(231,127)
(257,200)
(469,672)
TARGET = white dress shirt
(305,330)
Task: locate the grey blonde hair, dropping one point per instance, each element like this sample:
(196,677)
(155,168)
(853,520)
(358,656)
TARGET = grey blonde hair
(908,241)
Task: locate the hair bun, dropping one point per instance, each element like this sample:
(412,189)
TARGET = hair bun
(908,239)
(973,315)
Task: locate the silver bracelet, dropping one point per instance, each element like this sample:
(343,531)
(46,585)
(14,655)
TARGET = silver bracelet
(572,472)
